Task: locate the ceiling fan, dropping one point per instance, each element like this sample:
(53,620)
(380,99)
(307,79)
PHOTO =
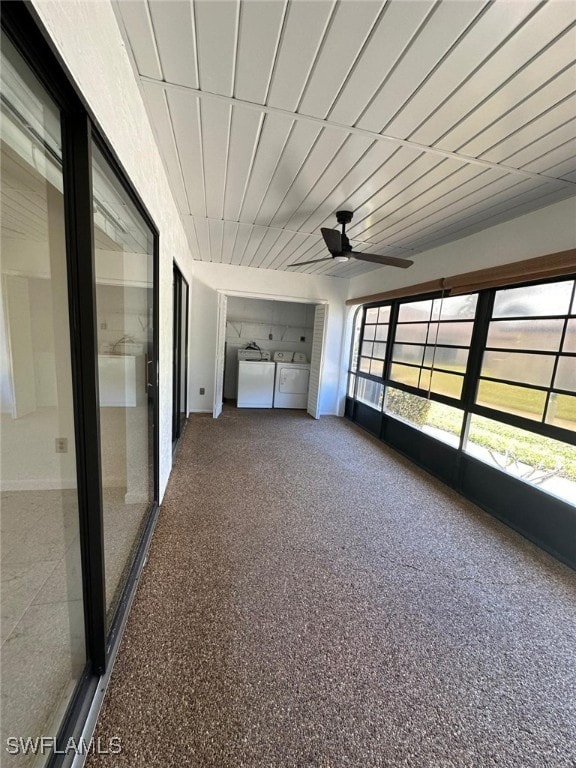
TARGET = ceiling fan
(341,250)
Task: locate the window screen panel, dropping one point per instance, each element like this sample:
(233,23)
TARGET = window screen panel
(446,358)
(364,365)
(370,392)
(367,348)
(566,374)
(415,333)
(570,338)
(369,332)
(518,366)
(543,335)
(455,334)
(381,332)
(561,411)
(405,374)
(455,307)
(534,300)
(522,401)
(408,353)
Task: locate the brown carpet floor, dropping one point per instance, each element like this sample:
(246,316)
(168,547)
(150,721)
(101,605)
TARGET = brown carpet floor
(313,599)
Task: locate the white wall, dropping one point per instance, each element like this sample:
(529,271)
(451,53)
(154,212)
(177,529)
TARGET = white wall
(260,283)
(88,39)
(548,230)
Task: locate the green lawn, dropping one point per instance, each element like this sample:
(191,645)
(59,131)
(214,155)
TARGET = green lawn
(494,395)
(529,448)
(526,447)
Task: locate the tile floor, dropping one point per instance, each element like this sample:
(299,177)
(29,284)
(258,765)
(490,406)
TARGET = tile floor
(42,622)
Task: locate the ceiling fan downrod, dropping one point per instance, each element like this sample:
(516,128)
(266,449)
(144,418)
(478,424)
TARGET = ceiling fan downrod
(343,218)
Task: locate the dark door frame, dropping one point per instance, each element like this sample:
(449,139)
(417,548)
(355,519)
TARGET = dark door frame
(181,297)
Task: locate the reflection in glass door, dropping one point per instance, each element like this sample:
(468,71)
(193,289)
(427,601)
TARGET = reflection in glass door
(43,644)
(124,260)
(179,355)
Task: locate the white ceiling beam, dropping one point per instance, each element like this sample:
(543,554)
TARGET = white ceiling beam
(285,229)
(262,108)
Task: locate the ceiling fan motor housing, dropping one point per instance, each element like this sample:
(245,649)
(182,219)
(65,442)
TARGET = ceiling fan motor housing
(344,217)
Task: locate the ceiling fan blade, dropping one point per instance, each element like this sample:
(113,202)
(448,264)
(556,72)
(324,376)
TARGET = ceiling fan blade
(333,239)
(306,263)
(390,261)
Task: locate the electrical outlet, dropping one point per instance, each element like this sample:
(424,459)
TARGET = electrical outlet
(202,391)
(270,337)
(103,326)
(61,444)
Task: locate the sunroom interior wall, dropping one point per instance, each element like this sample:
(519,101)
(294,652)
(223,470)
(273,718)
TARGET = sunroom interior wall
(548,230)
(88,39)
(264,284)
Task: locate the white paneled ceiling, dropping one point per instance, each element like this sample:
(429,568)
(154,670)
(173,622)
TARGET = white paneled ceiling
(428,120)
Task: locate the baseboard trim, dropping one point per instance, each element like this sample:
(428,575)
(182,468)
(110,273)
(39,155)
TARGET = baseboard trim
(38,485)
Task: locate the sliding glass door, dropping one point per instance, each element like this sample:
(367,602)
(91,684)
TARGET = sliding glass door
(179,354)
(124,271)
(43,639)
(78,398)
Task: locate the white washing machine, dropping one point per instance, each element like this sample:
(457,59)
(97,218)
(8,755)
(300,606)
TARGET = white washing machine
(292,379)
(255,379)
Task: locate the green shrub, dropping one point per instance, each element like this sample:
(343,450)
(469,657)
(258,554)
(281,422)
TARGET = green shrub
(410,407)
(528,448)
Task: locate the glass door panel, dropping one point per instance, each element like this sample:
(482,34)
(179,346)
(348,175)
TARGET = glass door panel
(42,622)
(124,304)
(179,354)
(183,400)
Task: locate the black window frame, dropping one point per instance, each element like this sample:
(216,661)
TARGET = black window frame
(472,376)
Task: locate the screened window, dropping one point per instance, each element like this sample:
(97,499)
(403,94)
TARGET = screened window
(374,338)
(432,342)
(529,363)
(510,402)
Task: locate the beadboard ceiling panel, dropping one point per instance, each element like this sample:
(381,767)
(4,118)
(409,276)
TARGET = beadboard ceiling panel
(140,30)
(533,47)
(186,126)
(313,166)
(428,119)
(300,142)
(245,129)
(273,138)
(176,41)
(304,30)
(216,32)
(398,25)
(351,26)
(485,35)
(258,40)
(528,131)
(163,127)
(426,49)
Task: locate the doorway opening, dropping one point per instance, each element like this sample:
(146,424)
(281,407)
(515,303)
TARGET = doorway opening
(267,332)
(179,355)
